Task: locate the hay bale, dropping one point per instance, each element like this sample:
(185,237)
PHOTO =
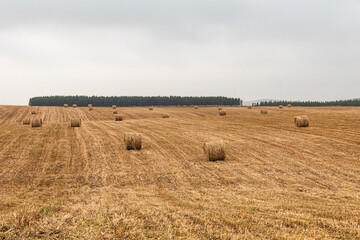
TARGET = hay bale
(91,109)
(75,122)
(214,150)
(219,108)
(33,112)
(36,123)
(90,105)
(196,107)
(113,106)
(133,141)
(118,118)
(262,111)
(151,108)
(281,106)
(165,115)
(301,121)
(114,112)
(289,105)
(26,121)
(249,107)
(66,105)
(222,113)
(74,105)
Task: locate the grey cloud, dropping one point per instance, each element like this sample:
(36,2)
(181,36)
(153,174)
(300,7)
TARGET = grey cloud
(239,48)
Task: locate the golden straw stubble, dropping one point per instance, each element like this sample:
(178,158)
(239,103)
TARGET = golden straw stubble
(133,141)
(214,150)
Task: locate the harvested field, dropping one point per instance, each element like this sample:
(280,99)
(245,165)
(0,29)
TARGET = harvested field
(277,182)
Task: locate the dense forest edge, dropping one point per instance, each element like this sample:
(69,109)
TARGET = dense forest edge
(351,102)
(133,101)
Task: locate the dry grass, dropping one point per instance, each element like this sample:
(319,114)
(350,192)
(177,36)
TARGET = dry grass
(277,182)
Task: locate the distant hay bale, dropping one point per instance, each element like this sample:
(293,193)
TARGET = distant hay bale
(33,112)
(219,108)
(118,118)
(90,105)
(75,122)
(26,121)
(249,107)
(151,108)
(301,121)
(165,115)
(289,105)
(114,112)
(214,150)
(196,107)
(133,141)
(66,105)
(74,105)
(113,106)
(36,123)
(281,106)
(262,111)
(222,113)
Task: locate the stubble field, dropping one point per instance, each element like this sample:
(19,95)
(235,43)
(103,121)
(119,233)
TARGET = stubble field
(278,181)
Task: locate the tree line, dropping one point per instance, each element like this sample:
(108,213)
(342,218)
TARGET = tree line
(132,101)
(351,102)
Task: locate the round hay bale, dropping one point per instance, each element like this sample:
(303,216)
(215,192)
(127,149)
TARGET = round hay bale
(133,141)
(165,115)
(33,112)
(75,122)
(249,107)
(91,109)
(214,150)
(114,112)
(262,111)
(90,105)
(36,123)
(301,121)
(118,118)
(219,108)
(222,113)
(66,105)
(113,106)
(151,108)
(196,107)
(74,105)
(289,105)
(281,106)
(26,121)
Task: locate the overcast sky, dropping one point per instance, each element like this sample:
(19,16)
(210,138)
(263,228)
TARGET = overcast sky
(252,49)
